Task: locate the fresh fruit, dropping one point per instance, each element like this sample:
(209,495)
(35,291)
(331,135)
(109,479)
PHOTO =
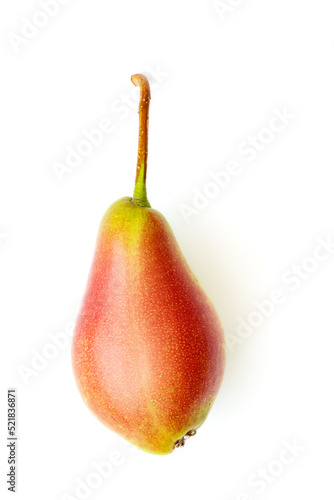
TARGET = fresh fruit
(148,349)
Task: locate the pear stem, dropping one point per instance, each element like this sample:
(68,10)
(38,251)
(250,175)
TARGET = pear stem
(139,195)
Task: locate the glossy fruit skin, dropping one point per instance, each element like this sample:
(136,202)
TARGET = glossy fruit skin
(148,349)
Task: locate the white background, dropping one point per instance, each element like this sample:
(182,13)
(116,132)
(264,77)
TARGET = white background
(220,78)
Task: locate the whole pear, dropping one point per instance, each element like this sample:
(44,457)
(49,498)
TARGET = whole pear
(148,349)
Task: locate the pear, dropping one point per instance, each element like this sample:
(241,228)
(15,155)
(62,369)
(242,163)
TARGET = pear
(148,348)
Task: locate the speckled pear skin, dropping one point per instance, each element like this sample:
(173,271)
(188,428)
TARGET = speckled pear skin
(148,349)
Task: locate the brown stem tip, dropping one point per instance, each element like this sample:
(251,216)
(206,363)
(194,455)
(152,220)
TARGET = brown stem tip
(145,95)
